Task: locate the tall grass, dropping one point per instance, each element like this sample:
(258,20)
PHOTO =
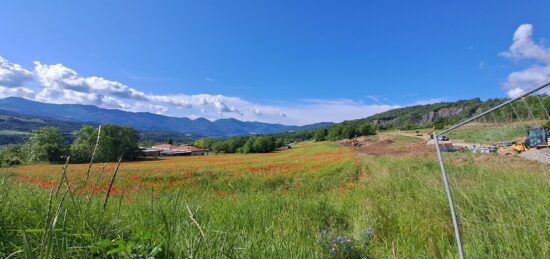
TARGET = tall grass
(371,207)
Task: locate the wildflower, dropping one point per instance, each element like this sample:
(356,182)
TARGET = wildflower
(324,233)
(332,250)
(369,232)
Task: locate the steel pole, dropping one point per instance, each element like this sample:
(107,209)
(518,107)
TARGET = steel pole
(449,197)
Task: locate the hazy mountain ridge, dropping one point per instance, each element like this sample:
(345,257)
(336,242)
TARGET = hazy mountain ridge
(143,121)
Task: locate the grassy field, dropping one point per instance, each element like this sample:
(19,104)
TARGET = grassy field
(491,133)
(488,135)
(13,132)
(318,200)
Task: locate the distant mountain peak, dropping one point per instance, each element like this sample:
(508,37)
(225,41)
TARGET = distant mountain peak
(142,120)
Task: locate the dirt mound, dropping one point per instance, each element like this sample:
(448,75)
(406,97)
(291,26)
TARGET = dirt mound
(391,147)
(386,142)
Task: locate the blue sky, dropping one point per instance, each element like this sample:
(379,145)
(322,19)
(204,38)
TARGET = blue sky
(292,62)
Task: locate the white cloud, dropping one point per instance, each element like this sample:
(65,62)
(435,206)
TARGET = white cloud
(16,91)
(313,111)
(13,75)
(524,48)
(63,83)
(526,78)
(60,84)
(430,101)
(258,111)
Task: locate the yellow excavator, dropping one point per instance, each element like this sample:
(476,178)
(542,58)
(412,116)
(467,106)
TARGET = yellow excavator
(536,138)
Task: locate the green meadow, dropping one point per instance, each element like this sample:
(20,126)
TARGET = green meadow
(318,200)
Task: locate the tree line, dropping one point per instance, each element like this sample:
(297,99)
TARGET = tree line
(47,145)
(268,143)
(344,130)
(248,144)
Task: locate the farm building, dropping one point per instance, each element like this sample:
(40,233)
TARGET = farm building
(174,150)
(151,152)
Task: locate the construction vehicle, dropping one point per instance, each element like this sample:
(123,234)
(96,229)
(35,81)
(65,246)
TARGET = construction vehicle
(536,138)
(442,138)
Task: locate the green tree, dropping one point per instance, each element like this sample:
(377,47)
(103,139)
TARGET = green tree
(231,145)
(335,132)
(114,141)
(117,141)
(366,129)
(204,143)
(83,145)
(263,144)
(247,147)
(348,131)
(320,134)
(11,155)
(46,145)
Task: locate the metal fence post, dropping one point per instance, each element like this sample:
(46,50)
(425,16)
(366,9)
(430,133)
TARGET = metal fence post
(449,196)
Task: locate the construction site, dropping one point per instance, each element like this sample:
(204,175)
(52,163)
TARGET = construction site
(535,145)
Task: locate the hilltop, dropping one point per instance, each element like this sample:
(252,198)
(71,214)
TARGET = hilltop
(448,113)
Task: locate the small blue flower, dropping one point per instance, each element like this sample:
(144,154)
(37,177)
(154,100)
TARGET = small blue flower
(369,232)
(332,250)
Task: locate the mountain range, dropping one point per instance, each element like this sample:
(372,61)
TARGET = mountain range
(143,121)
(18,117)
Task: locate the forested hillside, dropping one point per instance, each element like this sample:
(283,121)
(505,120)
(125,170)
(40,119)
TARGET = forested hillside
(16,128)
(447,113)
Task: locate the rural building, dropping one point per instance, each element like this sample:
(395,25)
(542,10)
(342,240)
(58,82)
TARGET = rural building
(150,152)
(174,150)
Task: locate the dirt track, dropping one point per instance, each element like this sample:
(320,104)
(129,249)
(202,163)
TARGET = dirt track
(381,145)
(541,155)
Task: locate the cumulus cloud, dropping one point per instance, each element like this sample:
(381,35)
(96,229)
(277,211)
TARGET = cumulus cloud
(13,75)
(63,84)
(60,84)
(524,48)
(16,91)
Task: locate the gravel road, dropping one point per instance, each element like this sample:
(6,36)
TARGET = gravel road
(541,155)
